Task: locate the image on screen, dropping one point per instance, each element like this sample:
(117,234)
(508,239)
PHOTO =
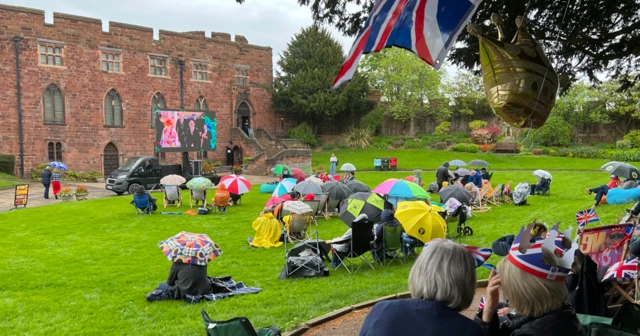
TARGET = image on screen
(185,131)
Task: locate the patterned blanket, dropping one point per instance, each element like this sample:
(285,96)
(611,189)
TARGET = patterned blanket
(223,287)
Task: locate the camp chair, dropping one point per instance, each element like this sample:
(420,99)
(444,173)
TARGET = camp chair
(221,202)
(361,238)
(330,206)
(310,264)
(479,204)
(298,227)
(392,244)
(238,326)
(198,196)
(172,195)
(505,197)
(314,205)
(495,195)
(490,176)
(322,198)
(142,205)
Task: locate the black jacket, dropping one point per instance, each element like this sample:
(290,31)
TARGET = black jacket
(502,245)
(442,175)
(46,176)
(189,279)
(386,219)
(417,317)
(563,322)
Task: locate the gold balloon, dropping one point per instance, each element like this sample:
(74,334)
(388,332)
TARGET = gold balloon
(519,81)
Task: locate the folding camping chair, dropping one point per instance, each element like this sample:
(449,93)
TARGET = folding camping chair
(392,244)
(479,204)
(322,198)
(142,205)
(237,326)
(330,206)
(311,262)
(297,228)
(198,196)
(360,244)
(172,195)
(505,193)
(495,194)
(314,205)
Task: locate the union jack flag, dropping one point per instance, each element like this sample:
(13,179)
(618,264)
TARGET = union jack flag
(585,217)
(428,28)
(624,269)
(480,254)
(481,304)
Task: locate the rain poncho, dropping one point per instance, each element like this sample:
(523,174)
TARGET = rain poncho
(521,193)
(268,231)
(222,196)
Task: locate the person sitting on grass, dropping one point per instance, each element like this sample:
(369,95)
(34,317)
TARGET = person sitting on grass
(602,190)
(442,283)
(184,279)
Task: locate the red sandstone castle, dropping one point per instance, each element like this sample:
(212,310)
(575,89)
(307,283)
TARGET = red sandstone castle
(86,96)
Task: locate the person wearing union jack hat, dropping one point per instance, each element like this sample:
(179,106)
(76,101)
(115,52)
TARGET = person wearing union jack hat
(532,278)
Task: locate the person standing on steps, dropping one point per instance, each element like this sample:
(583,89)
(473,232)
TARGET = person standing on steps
(333,164)
(46,181)
(56,177)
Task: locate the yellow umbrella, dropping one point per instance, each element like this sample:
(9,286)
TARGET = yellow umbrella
(421,221)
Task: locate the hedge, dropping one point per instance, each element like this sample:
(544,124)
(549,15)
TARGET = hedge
(7,164)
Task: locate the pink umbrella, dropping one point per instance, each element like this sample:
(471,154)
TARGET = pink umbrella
(410,179)
(298,174)
(236,184)
(337,177)
(273,201)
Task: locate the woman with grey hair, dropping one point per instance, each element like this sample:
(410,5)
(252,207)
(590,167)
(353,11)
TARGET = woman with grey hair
(442,283)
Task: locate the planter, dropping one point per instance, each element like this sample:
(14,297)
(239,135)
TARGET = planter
(82,197)
(66,198)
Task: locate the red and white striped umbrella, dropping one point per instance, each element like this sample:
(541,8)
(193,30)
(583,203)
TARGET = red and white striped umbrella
(236,184)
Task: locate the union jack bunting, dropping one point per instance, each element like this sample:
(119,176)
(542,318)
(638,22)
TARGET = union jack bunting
(624,269)
(428,28)
(480,254)
(585,217)
(481,304)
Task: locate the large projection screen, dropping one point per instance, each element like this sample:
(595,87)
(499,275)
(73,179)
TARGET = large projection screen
(185,131)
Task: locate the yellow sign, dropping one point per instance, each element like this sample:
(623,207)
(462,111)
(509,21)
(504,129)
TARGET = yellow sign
(22,195)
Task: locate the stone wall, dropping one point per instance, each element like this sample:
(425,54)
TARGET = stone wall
(84,85)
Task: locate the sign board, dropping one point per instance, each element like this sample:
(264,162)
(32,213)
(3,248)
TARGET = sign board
(22,195)
(185,131)
(605,244)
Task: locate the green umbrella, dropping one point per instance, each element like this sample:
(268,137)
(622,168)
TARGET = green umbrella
(367,203)
(199,183)
(282,170)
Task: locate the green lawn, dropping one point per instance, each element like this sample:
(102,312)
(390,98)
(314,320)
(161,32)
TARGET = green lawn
(7,176)
(432,159)
(8,183)
(85,267)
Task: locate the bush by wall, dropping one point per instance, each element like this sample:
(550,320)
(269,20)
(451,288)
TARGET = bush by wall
(461,147)
(634,138)
(555,132)
(441,146)
(476,124)
(472,148)
(7,164)
(373,120)
(304,133)
(443,128)
(623,144)
(415,144)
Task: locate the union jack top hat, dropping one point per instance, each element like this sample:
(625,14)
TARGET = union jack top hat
(528,257)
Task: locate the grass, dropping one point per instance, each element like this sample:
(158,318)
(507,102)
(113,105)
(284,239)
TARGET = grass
(8,183)
(6,176)
(432,159)
(85,267)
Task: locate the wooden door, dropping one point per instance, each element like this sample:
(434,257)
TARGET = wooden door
(111,160)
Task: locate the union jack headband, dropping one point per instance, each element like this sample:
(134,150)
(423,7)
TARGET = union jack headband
(528,256)
(480,254)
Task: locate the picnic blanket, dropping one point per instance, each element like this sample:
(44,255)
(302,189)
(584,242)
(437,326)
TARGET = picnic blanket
(223,287)
(267,188)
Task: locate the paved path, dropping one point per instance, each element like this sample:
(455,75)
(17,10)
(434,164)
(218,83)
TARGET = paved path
(349,324)
(96,190)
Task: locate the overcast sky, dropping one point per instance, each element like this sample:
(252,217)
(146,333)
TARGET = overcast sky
(263,22)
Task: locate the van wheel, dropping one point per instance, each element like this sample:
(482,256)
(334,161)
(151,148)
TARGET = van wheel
(119,193)
(133,187)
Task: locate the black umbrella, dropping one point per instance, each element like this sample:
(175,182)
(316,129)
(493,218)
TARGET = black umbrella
(357,186)
(621,169)
(370,204)
(457,192)
(479,163)
(337,190)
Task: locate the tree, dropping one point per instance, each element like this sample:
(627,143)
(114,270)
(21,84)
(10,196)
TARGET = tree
(408,86)
(595,35)
(303,86)
(467,93)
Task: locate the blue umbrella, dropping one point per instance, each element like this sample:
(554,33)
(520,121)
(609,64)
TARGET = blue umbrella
(284,187)
(457,163)
(58,165)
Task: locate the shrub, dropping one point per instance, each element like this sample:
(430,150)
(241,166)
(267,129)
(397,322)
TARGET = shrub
(477,124)
(555,132)
(487,148)
(449,142)
(216,164)
(537,151)
(441,145)
(330,146)
(8,164)
(626,155)
(461,147)
(358,137)
(373,120)
(415,144)
(443,128)
(546,151)
(36,173)
(397,143)
(634,138)
(472,148)
(81,190)
(304,133)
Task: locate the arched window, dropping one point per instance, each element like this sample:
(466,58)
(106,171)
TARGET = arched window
(201,104)
(157,102)
(54,150)
(112,109)
(53,105)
